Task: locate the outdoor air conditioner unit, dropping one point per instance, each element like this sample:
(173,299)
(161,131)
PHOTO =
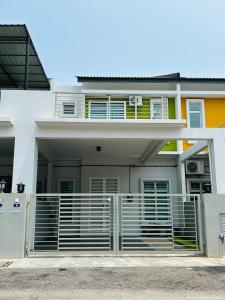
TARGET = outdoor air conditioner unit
(195,167)
(135,100)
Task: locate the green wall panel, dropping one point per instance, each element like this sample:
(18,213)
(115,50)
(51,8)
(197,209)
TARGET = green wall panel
(171,146)
(171,108)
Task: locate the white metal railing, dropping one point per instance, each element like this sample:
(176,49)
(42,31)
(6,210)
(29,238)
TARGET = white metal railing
(79,106)
(119,223)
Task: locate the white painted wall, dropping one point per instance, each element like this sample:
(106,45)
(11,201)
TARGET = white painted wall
(153,173)
(136,174)
(72,172)
(106,171)
(23,107)
(217,163)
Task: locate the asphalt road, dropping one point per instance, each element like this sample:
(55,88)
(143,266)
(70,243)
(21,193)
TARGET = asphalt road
(113,283)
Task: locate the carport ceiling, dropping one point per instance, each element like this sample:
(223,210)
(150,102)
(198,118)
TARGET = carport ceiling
(83,149)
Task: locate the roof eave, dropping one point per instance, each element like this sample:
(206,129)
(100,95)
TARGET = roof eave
(87,79)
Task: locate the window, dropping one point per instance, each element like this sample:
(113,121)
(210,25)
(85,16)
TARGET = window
(117,110)
(98,110)
(156,209)
(69,109)
(107,110)
(159,108)
(198,187)
(155,187)
(104,185)
(195,113)
(66,186)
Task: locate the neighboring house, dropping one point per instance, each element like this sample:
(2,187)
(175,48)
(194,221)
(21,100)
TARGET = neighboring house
(131,135)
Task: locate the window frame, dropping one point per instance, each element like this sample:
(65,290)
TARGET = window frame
(108,109)
(104,184)
(124,109)
(59,180)
(75,114)
(159,100)
(199,180)
(202,102)
(142,180)
(164,179)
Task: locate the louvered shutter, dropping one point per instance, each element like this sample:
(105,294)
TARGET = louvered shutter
(104,185)
(96,185)
(112,185)
(98,110)
(117,110)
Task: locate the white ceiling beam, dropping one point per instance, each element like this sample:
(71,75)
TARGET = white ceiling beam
(152,149)
(125,131)
(195,149)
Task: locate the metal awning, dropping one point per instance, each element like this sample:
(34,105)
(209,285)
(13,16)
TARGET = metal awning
(20,66)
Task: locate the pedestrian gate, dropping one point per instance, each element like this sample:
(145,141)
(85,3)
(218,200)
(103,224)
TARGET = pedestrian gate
(117,223)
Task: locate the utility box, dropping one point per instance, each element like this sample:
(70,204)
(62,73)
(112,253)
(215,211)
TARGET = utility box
(13,225)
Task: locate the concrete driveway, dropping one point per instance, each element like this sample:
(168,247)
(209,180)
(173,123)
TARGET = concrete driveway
(114,278)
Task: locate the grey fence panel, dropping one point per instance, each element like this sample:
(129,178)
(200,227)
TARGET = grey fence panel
(159,223)
(118,223)
(78,222)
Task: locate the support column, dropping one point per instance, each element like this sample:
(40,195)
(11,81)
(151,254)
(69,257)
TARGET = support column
(49,179)
(181,182)
(217,164)
(179,114)
(25,162)
(178,103)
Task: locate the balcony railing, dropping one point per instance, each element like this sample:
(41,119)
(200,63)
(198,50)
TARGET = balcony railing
(110,108)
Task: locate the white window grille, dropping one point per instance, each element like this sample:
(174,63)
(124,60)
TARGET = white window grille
(107,110)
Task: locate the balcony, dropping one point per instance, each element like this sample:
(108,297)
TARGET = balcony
(131,109)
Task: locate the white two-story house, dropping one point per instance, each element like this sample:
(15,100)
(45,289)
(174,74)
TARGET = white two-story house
(119,137)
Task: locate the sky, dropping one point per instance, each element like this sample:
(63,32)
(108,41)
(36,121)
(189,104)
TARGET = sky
(123,37)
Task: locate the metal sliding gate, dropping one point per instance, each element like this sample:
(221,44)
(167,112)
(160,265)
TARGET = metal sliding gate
(117,223)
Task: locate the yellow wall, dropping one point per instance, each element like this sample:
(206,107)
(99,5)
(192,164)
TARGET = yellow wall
(214,113)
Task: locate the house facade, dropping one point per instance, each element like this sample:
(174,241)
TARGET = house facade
(124,130)
(126,136)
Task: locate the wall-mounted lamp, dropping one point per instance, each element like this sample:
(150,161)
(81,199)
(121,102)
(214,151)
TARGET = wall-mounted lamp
(20,187)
